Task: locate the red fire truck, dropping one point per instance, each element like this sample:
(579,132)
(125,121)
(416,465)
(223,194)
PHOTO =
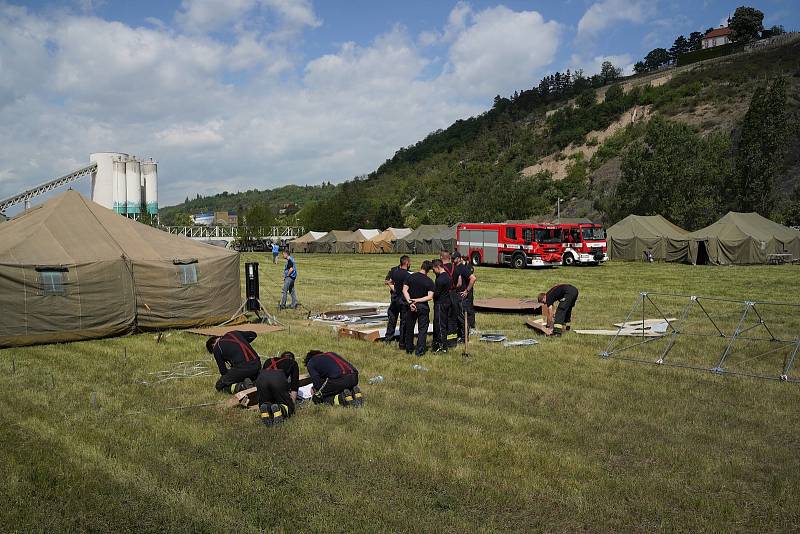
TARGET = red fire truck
(583,243)
(518,245)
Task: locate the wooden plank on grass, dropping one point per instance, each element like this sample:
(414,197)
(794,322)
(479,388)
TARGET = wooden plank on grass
(537,324)
(648,323)
(626,332)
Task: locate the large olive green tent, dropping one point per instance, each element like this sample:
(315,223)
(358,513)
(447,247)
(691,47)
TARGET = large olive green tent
(428,239)
(303,243)
(383,243)
(742,238)
(71,269)
(327,243)
(630,237)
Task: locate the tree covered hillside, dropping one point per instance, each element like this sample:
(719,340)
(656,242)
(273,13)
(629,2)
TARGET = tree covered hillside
(689,143)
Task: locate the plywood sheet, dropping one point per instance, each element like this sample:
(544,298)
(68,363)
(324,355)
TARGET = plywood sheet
(507,305)
(258,328)
(537,324)
(356,334)
(624,332)
(648,323)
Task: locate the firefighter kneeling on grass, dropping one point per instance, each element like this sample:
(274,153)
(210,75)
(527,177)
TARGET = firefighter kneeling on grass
(334,379)
(565,295)
(277,385)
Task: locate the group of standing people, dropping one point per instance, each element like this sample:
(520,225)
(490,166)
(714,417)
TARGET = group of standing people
(334,380)
(413,293)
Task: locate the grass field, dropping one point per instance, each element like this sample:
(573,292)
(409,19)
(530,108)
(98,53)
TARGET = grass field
(543,438)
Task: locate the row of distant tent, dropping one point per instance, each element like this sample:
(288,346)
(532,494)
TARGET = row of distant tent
(737,238)
(427,239)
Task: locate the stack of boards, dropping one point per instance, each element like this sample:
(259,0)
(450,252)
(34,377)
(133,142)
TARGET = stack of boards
(645,328)
(364,320)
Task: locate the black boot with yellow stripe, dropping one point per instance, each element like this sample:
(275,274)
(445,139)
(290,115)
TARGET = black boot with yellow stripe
(557,328)
(273,414)
(358,397)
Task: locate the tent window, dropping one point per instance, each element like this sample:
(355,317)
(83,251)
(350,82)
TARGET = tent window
(187,274)
(52,281)
(511,233)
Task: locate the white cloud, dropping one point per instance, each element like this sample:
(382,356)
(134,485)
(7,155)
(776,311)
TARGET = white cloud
(502,50)
(203,16)
(296,14)
(592,65)
(213,112)
(604,14)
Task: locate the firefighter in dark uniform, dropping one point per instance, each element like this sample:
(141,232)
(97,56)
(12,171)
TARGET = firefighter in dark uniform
(441,307)
(237,360)
(467,279)
(277,385)
(566,295)
(455,327)
(397,304)
(334,379)
(418,291)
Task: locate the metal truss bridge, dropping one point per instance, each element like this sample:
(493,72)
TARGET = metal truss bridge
(231,233)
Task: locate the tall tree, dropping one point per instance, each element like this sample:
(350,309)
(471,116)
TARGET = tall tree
(639,67)
(656,58)
(746,24)
(680,46)
(609,72)
(673,172)
(695,41)
(761,150)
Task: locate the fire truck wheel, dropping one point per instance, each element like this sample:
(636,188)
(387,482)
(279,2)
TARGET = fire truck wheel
(475,258)
(568,259)
(518,261)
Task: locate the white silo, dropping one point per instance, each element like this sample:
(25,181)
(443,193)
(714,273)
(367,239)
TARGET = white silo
(103,177)
(133,183)
(120,191)
(150,178)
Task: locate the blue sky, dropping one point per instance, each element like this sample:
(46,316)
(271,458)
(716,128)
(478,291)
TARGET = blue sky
(240,94)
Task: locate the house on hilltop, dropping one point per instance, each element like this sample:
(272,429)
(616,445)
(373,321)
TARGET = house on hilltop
(717,37)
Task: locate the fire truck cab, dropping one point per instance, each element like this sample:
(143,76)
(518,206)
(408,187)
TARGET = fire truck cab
(583,243)
(518,245)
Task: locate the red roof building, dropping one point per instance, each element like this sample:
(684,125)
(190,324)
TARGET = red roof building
(717,37)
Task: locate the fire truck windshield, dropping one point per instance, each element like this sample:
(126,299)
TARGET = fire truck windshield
(547,235)
(590,234)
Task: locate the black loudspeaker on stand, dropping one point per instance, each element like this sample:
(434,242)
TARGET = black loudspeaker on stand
(251,287)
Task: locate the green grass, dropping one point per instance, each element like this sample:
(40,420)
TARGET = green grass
(543,438)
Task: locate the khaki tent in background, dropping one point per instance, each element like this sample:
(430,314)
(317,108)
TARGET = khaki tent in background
(427,239)
(71,269)
(630,237)
(303,243)
(383,243)
(355,241)
(742,238)
(327,243)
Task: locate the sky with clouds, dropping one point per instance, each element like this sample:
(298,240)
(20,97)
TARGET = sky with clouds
(230,95)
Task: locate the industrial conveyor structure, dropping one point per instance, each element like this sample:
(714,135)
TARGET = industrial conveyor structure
(46,187)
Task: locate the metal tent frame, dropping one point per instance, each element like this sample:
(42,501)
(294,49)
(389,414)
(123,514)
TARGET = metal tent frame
(757,329)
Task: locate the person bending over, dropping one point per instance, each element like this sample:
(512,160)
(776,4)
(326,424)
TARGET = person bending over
(277,385)
(237,360)
(566,295)
(334,379)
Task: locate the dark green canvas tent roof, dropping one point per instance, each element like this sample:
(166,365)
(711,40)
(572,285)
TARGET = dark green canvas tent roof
(742,238)
(327,242)
(428,239)
(630,237)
